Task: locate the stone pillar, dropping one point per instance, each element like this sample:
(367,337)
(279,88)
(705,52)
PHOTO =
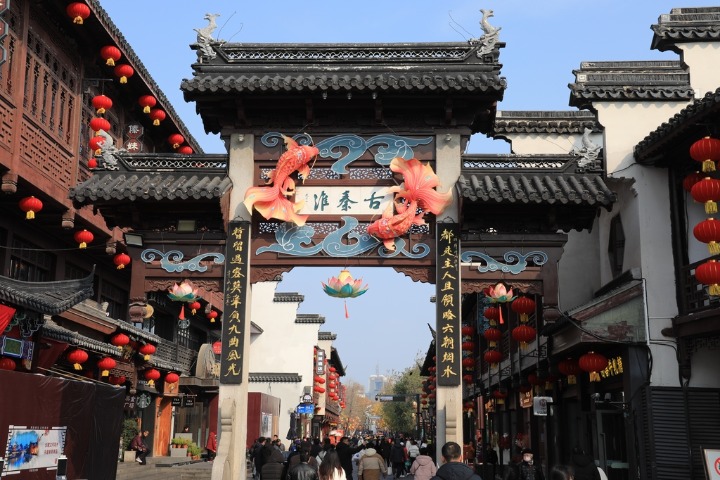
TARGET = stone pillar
(230,462)
(448,398)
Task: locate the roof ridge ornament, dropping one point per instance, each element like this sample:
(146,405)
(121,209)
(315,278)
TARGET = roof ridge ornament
(588,152)
(108,151)
(490,34)
(204,37)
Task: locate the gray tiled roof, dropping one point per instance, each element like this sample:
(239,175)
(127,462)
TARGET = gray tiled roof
(629,81)
(156,177)
(51,329)
(135,332)
(560,122)
(256,377)
(327,336)
(49,298)
(288,297)
(681,127)
(309,318)
(684,25)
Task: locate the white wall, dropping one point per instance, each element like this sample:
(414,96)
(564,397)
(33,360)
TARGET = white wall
(527,144)
(703,60)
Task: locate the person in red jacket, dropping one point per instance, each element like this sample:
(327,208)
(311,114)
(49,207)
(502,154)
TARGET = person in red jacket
(211,446)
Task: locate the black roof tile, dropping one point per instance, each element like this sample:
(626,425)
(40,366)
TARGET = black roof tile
(50,298)
(683,25)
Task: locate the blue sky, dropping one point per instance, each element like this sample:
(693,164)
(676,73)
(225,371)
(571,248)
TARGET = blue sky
(545,41)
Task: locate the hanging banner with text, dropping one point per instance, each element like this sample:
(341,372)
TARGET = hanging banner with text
(447,286)
(236,287)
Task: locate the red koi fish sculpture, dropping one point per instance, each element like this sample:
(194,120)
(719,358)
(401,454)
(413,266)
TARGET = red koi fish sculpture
(271,201)
(417,191)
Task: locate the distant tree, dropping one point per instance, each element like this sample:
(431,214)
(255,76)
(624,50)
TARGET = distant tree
(399,417)
(353,417)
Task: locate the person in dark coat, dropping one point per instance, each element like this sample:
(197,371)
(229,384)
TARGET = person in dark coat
(525,469)
(397,458)
(584,465)
(303,471)
(453,467)
(345,452)
(273,467)
(385,448)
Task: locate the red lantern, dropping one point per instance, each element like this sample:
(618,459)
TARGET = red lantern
(706,151)
(121,260)
(7,363)
(124,71)
(83,237)
(212,315)
(117,380)
(101,103)
(111,54)
(96,144)
(319,379)
(707,191)
(493,357)
(500,396)
(523,306)
(468,379)
(708,231)
(92,163)
(468,346)
(151,375)
(172,377)
(708,273)
(195,306)
(319,389)
(105,364)
(185,150)
(468,362)
(691,180)
(30,205)
(568,367)
(176,140)
(432,386)
(77,357)
(332,369)
(78,11)
(467,330)
(523,334)
(157,115)
(592,363)
(120,340)
(147,102)
(492,335)
(147,350)
(492,314)
(99,123)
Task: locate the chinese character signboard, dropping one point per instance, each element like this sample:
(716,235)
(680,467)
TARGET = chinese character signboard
(448,344)
(329,200)
(236,285)
(133,144)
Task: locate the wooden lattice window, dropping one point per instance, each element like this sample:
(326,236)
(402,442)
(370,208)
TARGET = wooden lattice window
(616,246)
(30,263)
(116,299)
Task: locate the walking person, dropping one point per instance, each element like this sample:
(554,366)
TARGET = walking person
(584,465)
(346,452)
(397,459)
(423,467)
(453,467)
(371,465)
(331,468)
(303,471)
(211,446)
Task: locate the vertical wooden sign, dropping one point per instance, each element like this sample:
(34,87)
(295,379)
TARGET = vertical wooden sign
(449,348)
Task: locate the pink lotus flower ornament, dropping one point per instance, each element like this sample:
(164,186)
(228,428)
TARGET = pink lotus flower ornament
(344,286)
(499,294)
(183,292)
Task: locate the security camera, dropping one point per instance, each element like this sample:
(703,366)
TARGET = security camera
(595,397)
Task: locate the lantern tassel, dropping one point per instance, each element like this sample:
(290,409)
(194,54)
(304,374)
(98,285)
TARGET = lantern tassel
(105,373)
(714,248)
(110,62)
(78,20)
(123,79)
(155,122)
(147,358)
(710,207)
(502,320)
(714,290)
(120,267)
(146,109)
(77,366)
(347,314)
(182,313)
(523,317)
(30,215)
(708,166)
(83,245)
(100,111)
(594,377)
(151,382)
(572,380)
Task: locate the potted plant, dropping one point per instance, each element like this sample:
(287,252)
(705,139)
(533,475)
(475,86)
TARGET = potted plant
(179,447)
(194,451)
(129,430)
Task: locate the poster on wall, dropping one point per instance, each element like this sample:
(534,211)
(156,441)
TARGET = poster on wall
(266,425)
(33,447)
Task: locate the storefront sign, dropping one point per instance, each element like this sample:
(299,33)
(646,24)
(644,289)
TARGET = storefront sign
(188,401)
(320,362)
(525,399)
(236,284)
(448,305)
(540,406)
(614,367)
(176,401)
(329,200)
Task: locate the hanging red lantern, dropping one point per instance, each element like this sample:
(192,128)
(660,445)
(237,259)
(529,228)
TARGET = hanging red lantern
(185,150)
(99,123)
(706,151)
(468,379)
(217,347)
(492,314)
(111,54)
(195,306)
(77,357)
(96,144)
(83,237)
(117,380)
(708,231)
(332,369)
(492,335)
(493,357)
(592,363)
(523,334)
(691,180)
(106,364)
(151,375)
(432,386)
(212,315)
(147,350)
(157,115)
(708,273)
(467,330)
(7,363)
(92,163)
(120,340)
(147,102)
(500,396)
(176,140)
(319,389)
(319,379)
(707,191)
(101,103)
(121,260)
(468,346)
(30,205)
(172,377)
(568,367)
(78,11)
(523,306)
(124,71)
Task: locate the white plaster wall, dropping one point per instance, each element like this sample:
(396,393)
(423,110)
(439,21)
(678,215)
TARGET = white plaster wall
(703,60)
(579,269)
(705,368)
(526,144)
(283,347)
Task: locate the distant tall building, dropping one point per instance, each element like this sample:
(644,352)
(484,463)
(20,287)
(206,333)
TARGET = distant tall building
(376,385)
